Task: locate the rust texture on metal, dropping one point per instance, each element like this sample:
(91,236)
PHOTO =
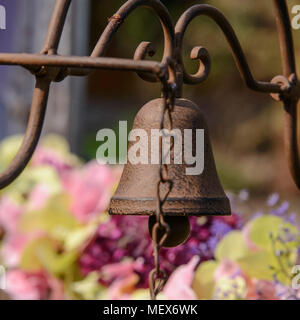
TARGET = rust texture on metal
(165,192)
(191,194)
(159,191)
(48,66)
(290,81)
(231,38)
(160,230)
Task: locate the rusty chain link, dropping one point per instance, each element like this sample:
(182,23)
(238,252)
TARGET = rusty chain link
(49,67)
(161,230)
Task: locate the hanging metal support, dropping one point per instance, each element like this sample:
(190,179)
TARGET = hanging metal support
(49,67)
(290,82)
(40,98)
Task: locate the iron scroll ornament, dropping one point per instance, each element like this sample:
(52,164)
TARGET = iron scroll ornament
(49,67)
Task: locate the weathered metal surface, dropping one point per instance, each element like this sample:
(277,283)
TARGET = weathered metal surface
(179,230)
(191,194)
(141,188)
(51,67)
(39,60)
(161,231)
(292,96)
(34,128)
(237,51)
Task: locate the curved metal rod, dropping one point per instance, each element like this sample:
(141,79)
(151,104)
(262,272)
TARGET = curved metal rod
(124,12)
(237,51)
(285,37)
(117,20)
(56,26)
(34,128)
(291,140)
(290,103)
(145,49)
(39,100)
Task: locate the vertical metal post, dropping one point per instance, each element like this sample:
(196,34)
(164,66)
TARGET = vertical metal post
(80,12)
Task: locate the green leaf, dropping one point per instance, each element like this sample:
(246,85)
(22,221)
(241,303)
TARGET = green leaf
(257,265)
(53,262)
(42,254)
(262,228)
(89,288)
(29,260)
(263,265)
(29,178)
(46,175)
(228,288)
(231,247)
(57,143)
(203,283)
(143,294)
(61,147)
(76,238)
(9,148)
(54,219)
(20,187)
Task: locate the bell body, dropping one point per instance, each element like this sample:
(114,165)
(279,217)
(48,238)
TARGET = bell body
(191,195)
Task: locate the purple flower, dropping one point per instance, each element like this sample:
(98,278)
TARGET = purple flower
(273,199)
(127,237)
(243,195)
(220,229)
(212,243)
(282,209)
(292,218)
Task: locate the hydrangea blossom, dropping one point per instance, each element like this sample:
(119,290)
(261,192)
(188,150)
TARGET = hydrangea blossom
(128,237)
(64,204)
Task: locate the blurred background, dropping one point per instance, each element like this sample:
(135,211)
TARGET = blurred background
(245,127)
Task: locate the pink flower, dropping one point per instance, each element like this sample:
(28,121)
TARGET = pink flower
(286,293)
(256,289)
(10,213)
(12,249)
(122,288)
(227,269)
(56,288)
(26,286)
(118,270)
(261,290)
(123,277)
(90,190)
(22,285)
(246,235)
(179,284)
(13,246)
(46,156)
(38,197)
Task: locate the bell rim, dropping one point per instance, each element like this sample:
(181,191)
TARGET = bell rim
(172,206)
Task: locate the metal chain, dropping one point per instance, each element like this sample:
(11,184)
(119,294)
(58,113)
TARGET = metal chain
(161,230)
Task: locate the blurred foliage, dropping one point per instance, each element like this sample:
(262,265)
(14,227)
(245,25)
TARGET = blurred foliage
(58,242)
(271,257)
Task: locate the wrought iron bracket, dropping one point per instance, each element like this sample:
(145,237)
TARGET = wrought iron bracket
(49,67)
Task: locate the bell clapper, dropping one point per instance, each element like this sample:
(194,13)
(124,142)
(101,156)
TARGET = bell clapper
(179,230)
